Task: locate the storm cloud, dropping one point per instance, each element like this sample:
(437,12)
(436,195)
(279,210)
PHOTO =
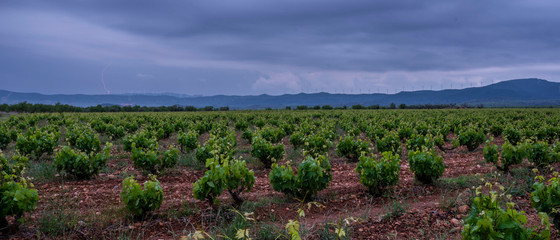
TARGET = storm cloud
(253,47)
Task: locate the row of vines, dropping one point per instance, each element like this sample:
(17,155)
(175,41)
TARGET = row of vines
(79,146)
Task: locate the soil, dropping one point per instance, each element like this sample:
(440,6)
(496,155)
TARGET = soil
(410,210)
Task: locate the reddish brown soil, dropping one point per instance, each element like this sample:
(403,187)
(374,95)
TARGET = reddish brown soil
(99,213)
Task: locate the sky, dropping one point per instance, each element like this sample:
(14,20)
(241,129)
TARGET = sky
(252,47)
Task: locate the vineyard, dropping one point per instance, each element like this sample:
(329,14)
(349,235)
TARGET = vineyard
(282,174)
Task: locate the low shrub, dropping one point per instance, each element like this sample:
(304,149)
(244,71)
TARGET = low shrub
(297,139)
(350,148)
(488,220)
(389,143)
(539,154)
(79,164)
(140,201)
(375,175)
(154,161)
(546,198)
(471,138)
(17,196)
(265,151)
(187,141)
(313,175)
(426,165)
(224,174)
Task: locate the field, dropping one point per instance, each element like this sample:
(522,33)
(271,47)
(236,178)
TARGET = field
(237,164)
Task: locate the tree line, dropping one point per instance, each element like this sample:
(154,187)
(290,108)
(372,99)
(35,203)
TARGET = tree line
(58,107)
(41,108)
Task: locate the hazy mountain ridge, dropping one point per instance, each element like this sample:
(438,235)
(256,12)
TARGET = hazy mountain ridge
(519,92)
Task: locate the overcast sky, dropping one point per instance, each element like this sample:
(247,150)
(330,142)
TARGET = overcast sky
(248,47)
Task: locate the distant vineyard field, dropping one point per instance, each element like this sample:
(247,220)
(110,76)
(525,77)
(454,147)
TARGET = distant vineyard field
(316,174)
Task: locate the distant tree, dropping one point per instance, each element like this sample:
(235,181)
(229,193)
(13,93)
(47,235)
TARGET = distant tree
(358,106)
(392,106)
(288,108)
(208,108)
(317,107)
(402,106)
(301,107)
(190,108)
(326,107)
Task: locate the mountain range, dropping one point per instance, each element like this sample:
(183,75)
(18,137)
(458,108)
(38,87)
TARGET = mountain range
(518,92)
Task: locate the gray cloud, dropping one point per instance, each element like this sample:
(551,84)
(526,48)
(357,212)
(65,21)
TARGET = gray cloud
(253,47)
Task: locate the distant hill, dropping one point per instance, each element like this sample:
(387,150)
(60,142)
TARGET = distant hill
(519,92)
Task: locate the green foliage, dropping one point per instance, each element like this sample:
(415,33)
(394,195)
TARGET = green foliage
(16,195)
(417,142)
(115,132)
(88,142)
(162,130)
(511,155)
(317,144)
(154,161)
(187,141)
(259,122)
(202,127)
(439,141)
(203,153)
(83,139)
(350,148)
(313,175)
(80,164)
(224,174)
(16,198)
(265,151)
(293,230)
(141,140)
(555,152)
(140,201)
(487,220)
(375,132)
(297,139)
(471,138)
(37,142)
(405,132)
(491,153)
(496,129)
(241,125)
(13,169)
(247,135)
(6,136)
(389,143)
(512,135)
(443,131)
(350,129)
(548,133)
(288,128)
(546,198)
(219,143)
(376,175)
(272,134)
(539,154)
(455,143)
(426,165)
